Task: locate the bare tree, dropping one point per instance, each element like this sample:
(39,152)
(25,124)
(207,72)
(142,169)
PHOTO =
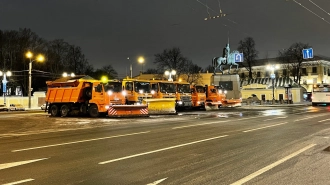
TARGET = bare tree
(171,59)
(293,59)
(247,47)
(193,73)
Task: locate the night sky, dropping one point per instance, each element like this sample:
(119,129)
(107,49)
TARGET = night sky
(109,31)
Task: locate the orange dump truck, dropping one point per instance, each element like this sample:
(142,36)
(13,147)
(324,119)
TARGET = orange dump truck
(198,96)
(214,97)
(82,95)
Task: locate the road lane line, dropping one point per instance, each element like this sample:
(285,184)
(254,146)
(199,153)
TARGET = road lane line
(160,150)
(157,182)
(82,141)
(324,120)
(275,118)
(19,182)
(264,127)
(199,124)
(265,169)
(13,164)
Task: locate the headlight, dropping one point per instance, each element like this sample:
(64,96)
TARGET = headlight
(107,107)
(198,102)
(220,91)
(123,93)
(225,92)
(141,91)
(180,102)
(109,92)
(153,92)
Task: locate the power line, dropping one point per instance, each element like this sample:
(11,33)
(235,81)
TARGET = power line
(319,7)
(311,11)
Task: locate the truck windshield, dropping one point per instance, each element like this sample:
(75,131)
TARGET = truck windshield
(200,89)
(113,86)
(183,88)
(143,87)
(167,87)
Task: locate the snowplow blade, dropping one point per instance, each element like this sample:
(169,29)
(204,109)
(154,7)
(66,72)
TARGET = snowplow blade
(160,105)
(232,103)
(128,111)
(212,105)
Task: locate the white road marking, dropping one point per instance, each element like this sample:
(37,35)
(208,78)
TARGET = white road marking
(275,118)
(265,169)
(157,182)
(82,141)
(19,182)
(324,120)
(199,124)
(264,127)
(160,150)
(13,164)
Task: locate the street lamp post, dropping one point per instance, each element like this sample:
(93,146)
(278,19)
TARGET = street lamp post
(4,84)
(170,73)
(39,58)
(141,61)
(130,68)
(272,68)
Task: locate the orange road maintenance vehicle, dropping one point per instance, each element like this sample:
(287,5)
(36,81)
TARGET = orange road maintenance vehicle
(165,93)
(140,92)
(198,96)
(214,97)
(229,102)
(83,95)
(183,96)
(136,90)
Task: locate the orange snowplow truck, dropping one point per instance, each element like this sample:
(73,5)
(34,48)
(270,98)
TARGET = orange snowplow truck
(214,97)
(80,95)
(198,96)
(183,95)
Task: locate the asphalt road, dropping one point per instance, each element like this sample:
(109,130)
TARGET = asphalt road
(254,145)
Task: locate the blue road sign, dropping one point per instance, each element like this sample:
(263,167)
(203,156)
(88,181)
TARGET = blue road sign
(307,53)
(239,57)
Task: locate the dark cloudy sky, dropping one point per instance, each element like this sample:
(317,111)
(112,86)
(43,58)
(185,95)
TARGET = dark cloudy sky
(109,31)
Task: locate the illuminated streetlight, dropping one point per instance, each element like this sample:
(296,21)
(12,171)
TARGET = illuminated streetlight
(272,68)
(39,58)
(65,74)
(141,61)
(170,73)
(4,86)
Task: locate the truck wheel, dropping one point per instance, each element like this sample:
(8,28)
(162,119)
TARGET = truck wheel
(54,110)
(93,111)
(64,110)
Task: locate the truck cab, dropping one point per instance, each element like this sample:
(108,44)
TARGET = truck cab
(136,90)
(198,96)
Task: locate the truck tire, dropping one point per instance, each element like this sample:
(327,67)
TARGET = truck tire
(93,111)
(54,111)
(64,110)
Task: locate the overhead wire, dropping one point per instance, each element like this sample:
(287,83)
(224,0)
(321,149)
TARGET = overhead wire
(311,11)
(319,7)
(226,25)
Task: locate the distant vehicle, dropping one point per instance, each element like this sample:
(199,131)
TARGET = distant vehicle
(44,107)
(4,108)
(321,94)
(16,107)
